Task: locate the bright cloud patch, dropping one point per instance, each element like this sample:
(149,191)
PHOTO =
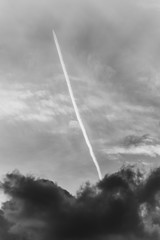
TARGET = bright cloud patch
(32,104)
(149,150)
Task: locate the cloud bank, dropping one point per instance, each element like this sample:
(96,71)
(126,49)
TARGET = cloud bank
(124,205)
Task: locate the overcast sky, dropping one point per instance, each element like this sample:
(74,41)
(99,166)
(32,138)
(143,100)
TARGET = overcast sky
(112,52)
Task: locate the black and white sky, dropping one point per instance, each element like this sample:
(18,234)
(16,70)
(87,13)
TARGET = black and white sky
(112,52)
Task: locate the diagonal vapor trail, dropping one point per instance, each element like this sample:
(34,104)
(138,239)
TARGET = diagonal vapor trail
(75,107)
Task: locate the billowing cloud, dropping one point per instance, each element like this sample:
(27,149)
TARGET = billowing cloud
(121,206)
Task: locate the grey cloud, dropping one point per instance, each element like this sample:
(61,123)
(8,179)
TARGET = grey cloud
(118,207)
(90,27)
(134,140)
(96,37)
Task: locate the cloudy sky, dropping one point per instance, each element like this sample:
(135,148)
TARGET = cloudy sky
(111,49)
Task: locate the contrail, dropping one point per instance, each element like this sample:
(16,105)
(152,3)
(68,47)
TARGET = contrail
(75,106)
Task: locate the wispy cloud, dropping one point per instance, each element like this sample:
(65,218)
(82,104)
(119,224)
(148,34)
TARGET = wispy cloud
(32,104)
(149,150)
(135,145)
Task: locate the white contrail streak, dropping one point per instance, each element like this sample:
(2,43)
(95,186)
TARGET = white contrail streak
(75,107)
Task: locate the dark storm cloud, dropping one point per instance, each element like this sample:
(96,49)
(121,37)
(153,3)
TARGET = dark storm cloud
(152,188)
(118,207)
